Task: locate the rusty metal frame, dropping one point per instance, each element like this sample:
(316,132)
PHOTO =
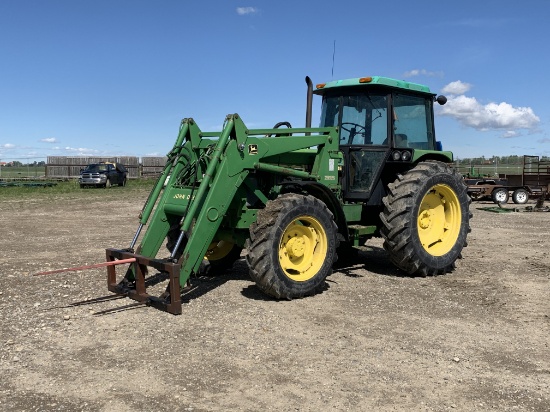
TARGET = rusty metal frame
(139,293)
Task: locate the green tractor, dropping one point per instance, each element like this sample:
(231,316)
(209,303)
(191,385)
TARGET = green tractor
(295,198)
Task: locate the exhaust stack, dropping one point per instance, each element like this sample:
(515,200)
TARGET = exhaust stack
(309,102)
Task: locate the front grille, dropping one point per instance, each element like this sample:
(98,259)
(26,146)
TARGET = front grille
(90,175)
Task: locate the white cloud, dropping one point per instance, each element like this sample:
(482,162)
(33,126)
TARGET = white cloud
(457,87)
(241,11)
(8,146)
(422,72)
(510,133)
(80,151)
(49,140)
(492,116)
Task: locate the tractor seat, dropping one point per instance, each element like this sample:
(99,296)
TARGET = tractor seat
(401,140)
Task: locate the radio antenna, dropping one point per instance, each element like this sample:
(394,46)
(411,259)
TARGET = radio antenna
(333,53)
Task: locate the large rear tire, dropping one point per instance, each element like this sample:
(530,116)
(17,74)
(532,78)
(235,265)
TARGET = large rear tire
(292,246)
(426,219)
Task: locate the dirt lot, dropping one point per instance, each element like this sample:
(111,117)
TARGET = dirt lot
(474,340)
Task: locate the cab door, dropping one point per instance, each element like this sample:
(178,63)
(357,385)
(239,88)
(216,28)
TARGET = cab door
(364,166)
(364,141)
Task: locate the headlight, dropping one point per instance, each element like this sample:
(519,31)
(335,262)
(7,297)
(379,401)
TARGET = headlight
(398,155)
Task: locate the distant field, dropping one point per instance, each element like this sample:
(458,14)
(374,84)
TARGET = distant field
(22,172)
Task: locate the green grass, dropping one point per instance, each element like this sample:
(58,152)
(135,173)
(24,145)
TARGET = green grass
(71,189)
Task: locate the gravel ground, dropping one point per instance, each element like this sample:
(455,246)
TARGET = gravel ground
(473,340)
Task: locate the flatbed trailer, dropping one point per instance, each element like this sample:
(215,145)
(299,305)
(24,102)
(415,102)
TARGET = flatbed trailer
(534,182)
(498,190)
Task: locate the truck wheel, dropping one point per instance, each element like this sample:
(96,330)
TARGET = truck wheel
(500,195)
(426,219)
(292,246)
(520,196)
(123,183)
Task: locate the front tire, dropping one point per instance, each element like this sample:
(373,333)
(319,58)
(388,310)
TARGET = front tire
(426,218)
(292,246)
(220,255)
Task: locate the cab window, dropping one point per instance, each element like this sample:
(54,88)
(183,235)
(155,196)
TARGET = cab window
(412,122)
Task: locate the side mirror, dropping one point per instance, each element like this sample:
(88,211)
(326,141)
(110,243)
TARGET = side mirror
(441,100)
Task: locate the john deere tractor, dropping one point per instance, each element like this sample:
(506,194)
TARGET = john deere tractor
(295,198)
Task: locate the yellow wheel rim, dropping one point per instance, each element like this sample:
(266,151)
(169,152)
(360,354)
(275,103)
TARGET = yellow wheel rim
(303,248)
(439,220)
(218,250)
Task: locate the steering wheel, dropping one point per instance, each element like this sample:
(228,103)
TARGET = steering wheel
(354,128)
(353,124)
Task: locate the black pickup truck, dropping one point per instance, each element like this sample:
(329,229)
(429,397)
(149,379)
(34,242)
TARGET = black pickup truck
(103,174)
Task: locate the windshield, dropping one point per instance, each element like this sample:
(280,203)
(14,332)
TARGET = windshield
(364,118)
(96,168)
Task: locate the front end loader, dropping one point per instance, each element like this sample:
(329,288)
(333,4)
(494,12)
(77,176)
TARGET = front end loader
(295,197)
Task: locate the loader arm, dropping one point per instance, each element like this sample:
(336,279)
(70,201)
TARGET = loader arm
(195,191)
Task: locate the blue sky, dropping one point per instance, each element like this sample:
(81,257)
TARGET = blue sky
(116,77)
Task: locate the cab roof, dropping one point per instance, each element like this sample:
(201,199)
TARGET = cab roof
(372,81)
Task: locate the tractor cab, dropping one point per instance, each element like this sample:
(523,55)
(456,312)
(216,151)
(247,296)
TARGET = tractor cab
(380,120)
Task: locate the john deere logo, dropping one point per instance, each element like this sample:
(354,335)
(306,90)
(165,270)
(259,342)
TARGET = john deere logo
(252,149)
